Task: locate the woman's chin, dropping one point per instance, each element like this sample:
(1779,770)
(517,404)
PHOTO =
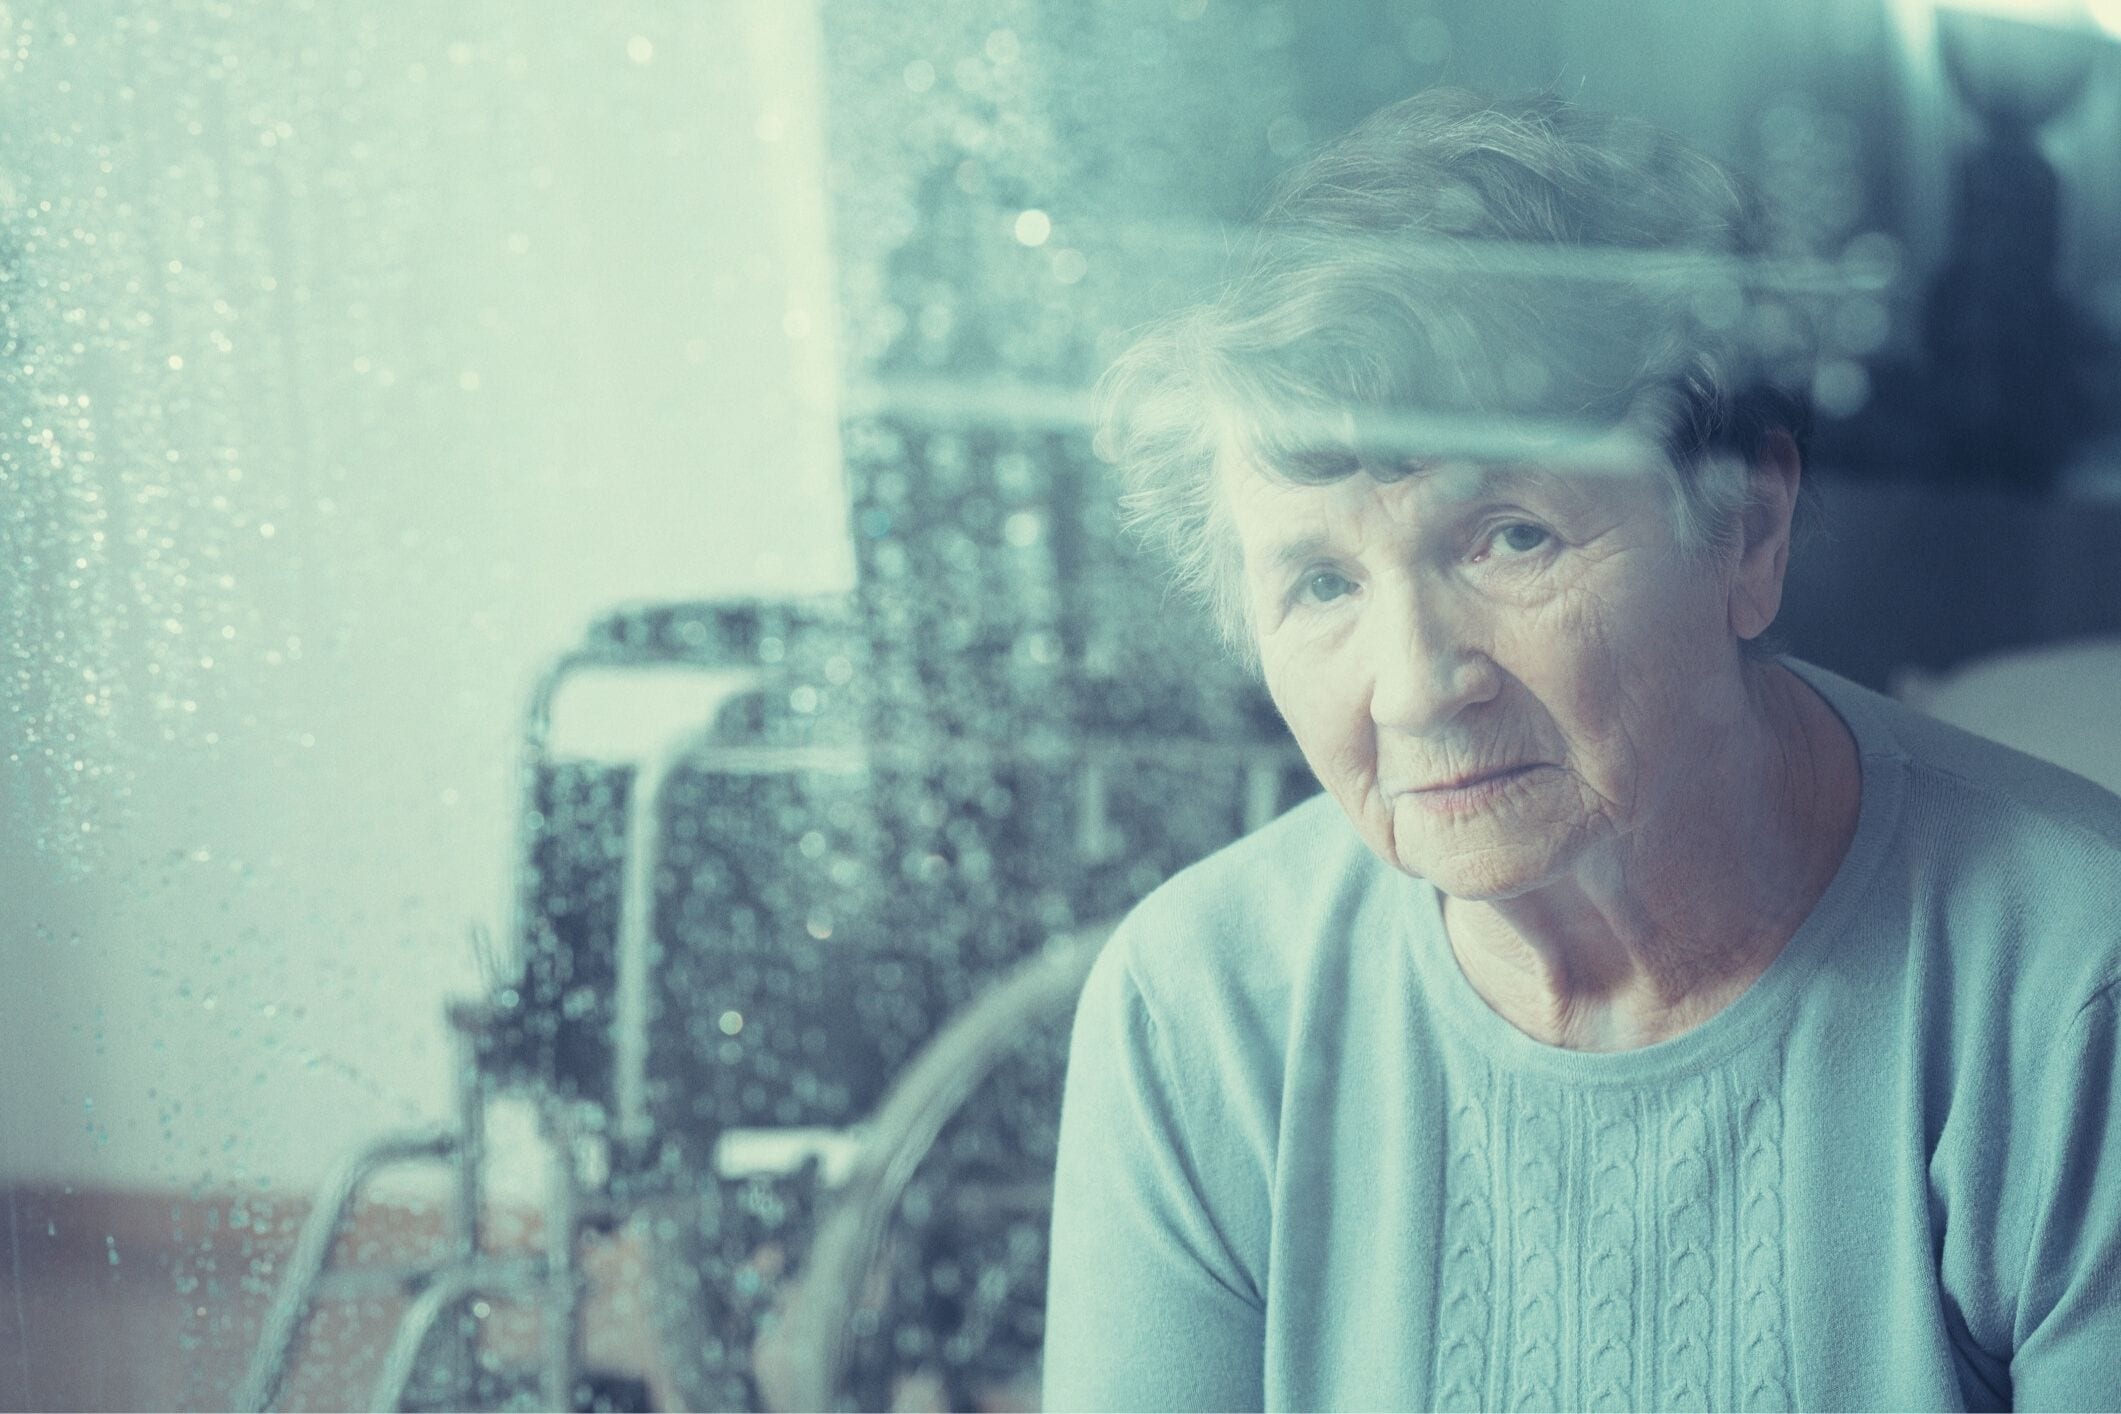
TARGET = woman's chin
(1474,861)
(1483,878)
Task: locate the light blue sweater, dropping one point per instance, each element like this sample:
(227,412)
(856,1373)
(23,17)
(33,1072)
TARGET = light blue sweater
(1304,1165)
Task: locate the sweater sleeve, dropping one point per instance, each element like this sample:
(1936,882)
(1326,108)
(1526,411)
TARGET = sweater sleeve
(2068,1351)
(1146,1306)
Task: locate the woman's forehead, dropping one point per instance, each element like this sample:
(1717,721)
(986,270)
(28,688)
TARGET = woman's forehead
(1437,483)
(1279,518)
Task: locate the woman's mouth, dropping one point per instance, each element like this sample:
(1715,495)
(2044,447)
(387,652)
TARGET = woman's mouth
(1469,790)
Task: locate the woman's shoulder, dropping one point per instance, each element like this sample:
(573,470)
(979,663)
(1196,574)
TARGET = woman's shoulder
(1245,923)
(1995,793)
(1997,854)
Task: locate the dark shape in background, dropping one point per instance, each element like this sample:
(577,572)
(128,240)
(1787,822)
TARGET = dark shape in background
(2002,391)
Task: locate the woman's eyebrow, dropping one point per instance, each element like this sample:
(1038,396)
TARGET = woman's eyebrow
(1457,484)
(1295,553)
(1312,465)
(1561,489)
(1515,476)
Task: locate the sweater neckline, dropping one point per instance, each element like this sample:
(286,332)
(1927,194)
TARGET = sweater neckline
(1763,1005)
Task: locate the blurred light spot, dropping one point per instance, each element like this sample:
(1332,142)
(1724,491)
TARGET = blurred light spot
(920,76)
(468,380)
(1287,136)
(1003,47)
(639,49)
(1022,530)
(1033,227)
(1069,265)
(1841,387)
(1872,258)
(176,361)
(1861,326)
(732,1022)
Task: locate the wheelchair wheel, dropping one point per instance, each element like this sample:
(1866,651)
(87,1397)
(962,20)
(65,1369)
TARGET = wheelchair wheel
(918,1282)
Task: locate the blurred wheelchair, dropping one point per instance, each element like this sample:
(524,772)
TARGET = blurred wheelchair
(792,999)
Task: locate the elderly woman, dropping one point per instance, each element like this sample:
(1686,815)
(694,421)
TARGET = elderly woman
(1678,1025)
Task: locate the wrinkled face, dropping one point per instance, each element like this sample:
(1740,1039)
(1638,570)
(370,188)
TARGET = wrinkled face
(1500,674)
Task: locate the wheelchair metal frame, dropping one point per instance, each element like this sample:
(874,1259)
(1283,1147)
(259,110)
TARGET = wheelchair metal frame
(807,1358)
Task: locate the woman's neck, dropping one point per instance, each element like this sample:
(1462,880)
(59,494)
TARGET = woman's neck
(1669,924)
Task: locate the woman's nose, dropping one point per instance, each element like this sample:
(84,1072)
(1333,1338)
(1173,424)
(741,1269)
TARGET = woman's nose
(1427,664)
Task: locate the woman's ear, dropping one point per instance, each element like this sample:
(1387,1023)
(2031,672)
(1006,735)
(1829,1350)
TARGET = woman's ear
(1764,534)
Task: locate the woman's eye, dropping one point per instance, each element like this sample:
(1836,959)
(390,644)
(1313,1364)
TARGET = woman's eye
(1521,538)
(1323,587)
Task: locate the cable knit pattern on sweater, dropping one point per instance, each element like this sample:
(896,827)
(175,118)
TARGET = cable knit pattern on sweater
(1613,1166)
(1763,1358)
(1587,1192)
(1469,1263)
(1536,1247)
